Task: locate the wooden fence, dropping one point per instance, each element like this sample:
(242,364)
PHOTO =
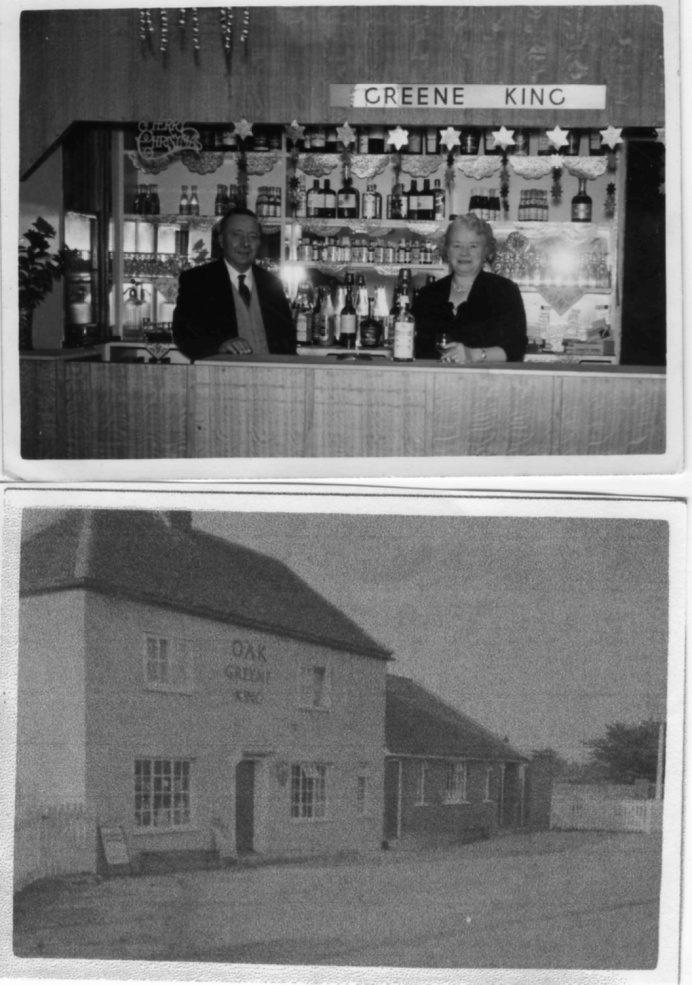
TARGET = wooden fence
(574,813)
(53,840)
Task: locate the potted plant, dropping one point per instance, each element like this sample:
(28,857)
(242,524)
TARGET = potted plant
(38,269)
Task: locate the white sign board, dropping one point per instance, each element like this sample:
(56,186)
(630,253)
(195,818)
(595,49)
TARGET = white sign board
(381,95)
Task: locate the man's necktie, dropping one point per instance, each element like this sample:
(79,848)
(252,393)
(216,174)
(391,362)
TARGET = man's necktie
(244,290)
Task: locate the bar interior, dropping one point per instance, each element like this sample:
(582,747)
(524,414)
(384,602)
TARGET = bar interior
(355,135)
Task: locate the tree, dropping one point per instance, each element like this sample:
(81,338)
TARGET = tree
(625,753)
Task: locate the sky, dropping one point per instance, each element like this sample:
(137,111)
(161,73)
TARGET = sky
(544,630)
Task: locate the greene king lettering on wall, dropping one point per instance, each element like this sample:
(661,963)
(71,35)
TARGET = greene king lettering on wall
(364,95)
(247,672)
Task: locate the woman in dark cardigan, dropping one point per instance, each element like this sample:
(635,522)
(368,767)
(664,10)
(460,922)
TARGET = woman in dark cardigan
(481,314)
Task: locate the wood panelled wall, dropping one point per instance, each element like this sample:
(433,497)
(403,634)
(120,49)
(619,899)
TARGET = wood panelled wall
(89,65)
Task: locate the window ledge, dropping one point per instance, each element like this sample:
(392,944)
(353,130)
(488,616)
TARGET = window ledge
(157,832)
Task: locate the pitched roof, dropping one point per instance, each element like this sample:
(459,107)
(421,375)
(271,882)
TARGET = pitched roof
(159,558)
(420,724)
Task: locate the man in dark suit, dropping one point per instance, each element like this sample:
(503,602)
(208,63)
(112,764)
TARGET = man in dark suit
(231,305)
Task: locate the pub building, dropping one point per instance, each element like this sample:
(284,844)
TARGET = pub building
(355,134)
(232,713)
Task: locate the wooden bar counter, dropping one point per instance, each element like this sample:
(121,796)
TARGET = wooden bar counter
(293,407)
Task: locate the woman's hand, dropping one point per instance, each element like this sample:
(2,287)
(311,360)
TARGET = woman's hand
(456,352)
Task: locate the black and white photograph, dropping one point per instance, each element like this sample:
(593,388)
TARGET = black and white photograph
(257,734)
(353,240)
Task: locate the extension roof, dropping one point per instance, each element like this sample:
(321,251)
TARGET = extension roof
(420,724)
(159,558)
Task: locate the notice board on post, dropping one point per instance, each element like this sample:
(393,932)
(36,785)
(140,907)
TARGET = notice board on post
(114,846)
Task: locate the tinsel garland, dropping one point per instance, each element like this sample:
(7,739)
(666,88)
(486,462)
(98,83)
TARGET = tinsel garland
(244,34)
(556,188)
(450,176)
(226,18)
(195,29)
(609,204)
(504,185)
(164,32)
(146,28)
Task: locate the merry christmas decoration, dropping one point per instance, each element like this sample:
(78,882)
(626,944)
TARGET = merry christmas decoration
(504,138)
(397,138)
(611,136)
(557,137)
(450,138)
(346,135)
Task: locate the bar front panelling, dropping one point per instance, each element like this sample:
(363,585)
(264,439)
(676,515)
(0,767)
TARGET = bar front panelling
(90,65)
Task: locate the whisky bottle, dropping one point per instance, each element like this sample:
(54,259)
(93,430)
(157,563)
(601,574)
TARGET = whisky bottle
(348,322)
(370,328)
(404,329)
(582,206)
(194,201)
(329,207)
(347,199)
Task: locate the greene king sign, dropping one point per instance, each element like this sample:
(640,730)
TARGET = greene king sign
(381,95)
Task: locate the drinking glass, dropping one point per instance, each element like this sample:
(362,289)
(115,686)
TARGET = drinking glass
(441,343)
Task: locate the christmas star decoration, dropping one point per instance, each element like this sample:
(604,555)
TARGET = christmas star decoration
(346,135)
(397,138)
(295,132)
(504,138)
(557,137)
(243,129)
(611,136)
(449,138)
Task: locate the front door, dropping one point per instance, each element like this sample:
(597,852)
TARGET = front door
(392,799)
(244,805)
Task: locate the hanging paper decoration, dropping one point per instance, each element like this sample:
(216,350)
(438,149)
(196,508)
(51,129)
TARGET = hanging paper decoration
(609,204)
(243,129)
(450,138)
(556,187)
(294,133)
(557,137)
(164,31)
(611,136)
(397,138)
(226,18)
(146,28)
(195,29)
(504,138)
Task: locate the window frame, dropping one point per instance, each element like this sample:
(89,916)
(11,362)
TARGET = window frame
(182,765)
(487,799)
(304,703)
(456,790)
(423,771)
(318,802)
(180,652)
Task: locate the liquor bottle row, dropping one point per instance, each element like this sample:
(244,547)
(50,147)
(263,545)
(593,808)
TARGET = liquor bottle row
(354,319)
(533,205)
(344,249)
(323,202)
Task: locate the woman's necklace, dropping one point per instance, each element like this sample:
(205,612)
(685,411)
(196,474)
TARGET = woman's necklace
(463,291)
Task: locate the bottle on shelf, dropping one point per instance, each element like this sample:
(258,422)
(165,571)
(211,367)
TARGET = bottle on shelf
(331,141)
(347,322)
(329,206)
(376,139)
(491,144)
(221,200)
(430,140)
(326,320)
(469,142)
(361,300)
(140,202)
(362,140)
(520,147)
(494,200)
(412,200)
(372,203)
(404,285)
(415,141)
(370,331)
(392,317)
(397,203)
(404,333)
(440,200)
(382,311)
(194,200)
(347,199)
(426,202)
(153,202)
(314,201)
(571,149)
(595,143)
(303,314)
(184,204)
(318,139)
(261,202)
(582,206)
(544,148)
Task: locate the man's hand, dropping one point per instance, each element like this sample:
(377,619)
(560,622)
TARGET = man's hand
(239,347)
